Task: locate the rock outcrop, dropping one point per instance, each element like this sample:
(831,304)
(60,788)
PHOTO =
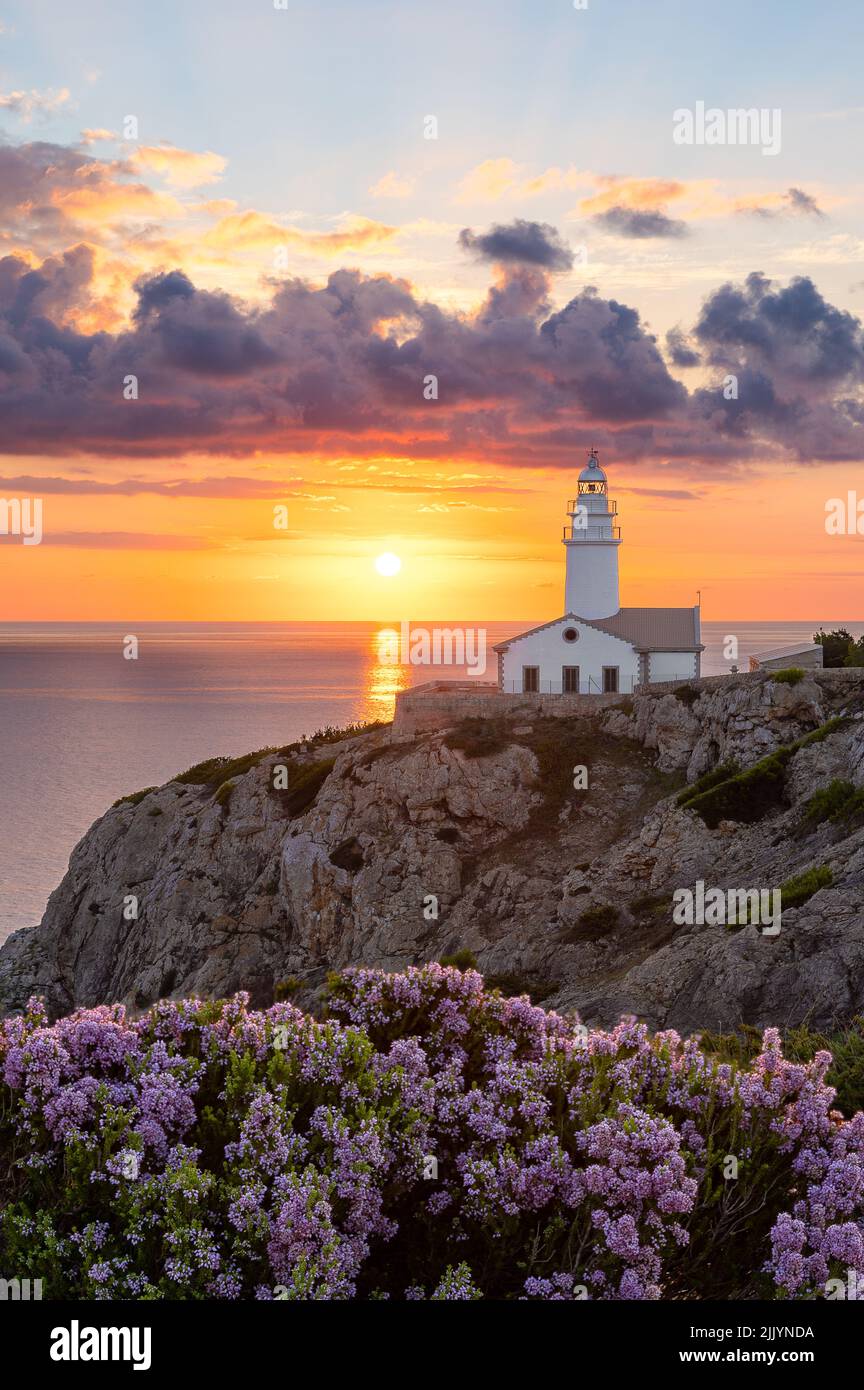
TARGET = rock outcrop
(393,852)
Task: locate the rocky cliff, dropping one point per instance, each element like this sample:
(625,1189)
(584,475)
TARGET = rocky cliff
(381,851)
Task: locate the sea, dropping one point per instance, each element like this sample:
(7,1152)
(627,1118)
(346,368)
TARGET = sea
(83,721)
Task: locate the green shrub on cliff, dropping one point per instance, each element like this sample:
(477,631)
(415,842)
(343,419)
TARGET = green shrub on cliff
(721,773)
(839,802)
(748,796)
(800,887)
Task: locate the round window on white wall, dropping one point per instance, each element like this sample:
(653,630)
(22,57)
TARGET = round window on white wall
(570,634)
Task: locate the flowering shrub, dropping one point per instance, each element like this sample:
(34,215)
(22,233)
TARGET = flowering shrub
(428,1140)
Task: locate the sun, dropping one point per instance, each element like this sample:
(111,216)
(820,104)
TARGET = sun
(388,564)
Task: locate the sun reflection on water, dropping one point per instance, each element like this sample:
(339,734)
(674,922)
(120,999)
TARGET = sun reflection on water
(383,677)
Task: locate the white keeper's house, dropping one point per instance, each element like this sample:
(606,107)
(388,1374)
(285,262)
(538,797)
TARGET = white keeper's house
(598,647)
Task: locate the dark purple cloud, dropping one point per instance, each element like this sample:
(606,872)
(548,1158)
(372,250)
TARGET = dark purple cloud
(791,332)
(681,353)
(340,370)
(798,365)
(30,485)
(519,243)
(640,225)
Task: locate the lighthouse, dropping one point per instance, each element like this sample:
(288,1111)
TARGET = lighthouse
(597,647)
(591,541)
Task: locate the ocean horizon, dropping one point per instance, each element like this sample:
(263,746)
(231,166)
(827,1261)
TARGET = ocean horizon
(80,725)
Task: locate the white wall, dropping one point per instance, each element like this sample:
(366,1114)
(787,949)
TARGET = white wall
(591,579)
(590,652)
(670,666)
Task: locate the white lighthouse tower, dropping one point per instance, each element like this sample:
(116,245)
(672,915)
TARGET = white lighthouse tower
(591,540)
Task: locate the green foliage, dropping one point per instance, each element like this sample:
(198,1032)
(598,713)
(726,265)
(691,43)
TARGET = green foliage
(222,796)
(840,803)
(134,797)
(285,988)
(750,795)
(305,780)
(648,904)
(800,1044)
(835,645)
(511,984)
(559,746)
(800,887)
(222,769)
(790,675)
(216,770)
(594,922)
(331,733)
(460,960)
(719,774)
(746,796)
(819,735)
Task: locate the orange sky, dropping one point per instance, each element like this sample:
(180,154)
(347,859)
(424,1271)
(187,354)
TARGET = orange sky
(756,548)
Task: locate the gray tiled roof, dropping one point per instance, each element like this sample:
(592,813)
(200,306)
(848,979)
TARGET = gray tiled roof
(653,629)
(794,649)
(648,629)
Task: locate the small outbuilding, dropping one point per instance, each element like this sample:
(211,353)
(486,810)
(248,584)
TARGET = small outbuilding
(807,655)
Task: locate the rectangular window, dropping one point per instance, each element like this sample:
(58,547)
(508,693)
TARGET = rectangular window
(570,680)
(610,680)
(531,679)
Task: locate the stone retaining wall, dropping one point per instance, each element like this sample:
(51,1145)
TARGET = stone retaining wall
(440,704)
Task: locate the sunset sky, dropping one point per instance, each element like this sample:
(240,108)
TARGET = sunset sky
(240,207)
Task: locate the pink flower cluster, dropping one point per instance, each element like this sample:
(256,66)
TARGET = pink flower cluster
(429,1139)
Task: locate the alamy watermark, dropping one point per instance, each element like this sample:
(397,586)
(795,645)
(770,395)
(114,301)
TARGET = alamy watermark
(736,126)
(845,516)
(22,516)
(77,1343)
(20,1290)
(434,646)
(728,906)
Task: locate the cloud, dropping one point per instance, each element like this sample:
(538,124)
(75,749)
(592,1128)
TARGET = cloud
(238,488)
(125,540)
(680,351)
(53,191)
(674,494)
(519,242)
(630,222)
(488,181)
(801,202)
(180,168)
(793,203)
(34,103)
(249,231)
(391,185)
(644,194)
(799,364)
(338,370)
(496,178)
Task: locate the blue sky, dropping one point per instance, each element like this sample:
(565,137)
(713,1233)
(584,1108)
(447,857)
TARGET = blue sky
(312,99)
